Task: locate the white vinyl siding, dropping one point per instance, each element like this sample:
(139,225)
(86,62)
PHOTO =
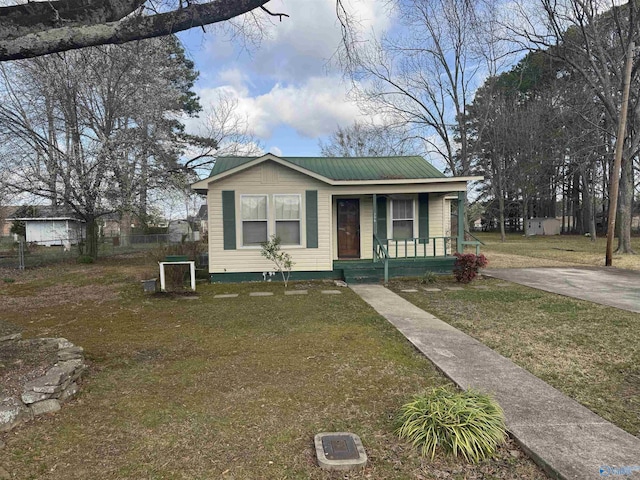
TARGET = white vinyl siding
(269,179)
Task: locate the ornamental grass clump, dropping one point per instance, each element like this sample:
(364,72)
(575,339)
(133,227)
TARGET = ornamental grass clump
(470,423)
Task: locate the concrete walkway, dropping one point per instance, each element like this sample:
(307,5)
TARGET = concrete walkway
(610,286)
(563,437)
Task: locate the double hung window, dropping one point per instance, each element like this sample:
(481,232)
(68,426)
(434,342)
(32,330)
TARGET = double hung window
(402,219)
(254,219)
(287,217)
(258,223)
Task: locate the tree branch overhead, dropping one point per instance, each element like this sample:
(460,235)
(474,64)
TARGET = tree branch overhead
(40,28)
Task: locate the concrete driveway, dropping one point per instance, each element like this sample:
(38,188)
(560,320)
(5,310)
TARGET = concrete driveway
(605,285)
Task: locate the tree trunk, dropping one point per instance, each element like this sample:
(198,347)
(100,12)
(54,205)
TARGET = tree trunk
(503,236)
(625,204)
(125,229)
(92,237)
(587,204)
(525,224)
(563,230)
(144,182)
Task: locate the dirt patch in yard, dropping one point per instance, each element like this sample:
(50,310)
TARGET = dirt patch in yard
(31,300)
(7,328)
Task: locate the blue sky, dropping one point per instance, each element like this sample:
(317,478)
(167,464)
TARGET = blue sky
(286,87)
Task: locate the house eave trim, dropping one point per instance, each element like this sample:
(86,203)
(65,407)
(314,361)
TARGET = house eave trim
(405,181)
(48,219)
(203,185)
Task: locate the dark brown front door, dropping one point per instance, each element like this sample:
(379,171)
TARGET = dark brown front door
(349,228)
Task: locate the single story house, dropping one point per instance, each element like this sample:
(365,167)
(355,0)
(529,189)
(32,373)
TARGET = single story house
(48,225)
(356,219)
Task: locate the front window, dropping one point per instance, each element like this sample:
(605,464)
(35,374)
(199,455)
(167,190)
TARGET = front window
(254,219)
(288,218)
(402,219)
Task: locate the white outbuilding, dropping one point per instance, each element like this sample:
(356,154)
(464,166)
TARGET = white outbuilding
(543,226)
(49,226)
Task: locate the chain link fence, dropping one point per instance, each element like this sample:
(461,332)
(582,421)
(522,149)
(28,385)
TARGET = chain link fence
(20,254)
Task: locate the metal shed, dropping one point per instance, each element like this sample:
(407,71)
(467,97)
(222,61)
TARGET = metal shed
(543,226)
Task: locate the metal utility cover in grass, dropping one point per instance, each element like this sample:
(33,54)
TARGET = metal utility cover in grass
(340,451)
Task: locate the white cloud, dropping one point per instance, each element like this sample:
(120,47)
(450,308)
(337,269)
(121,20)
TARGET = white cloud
(236,79)
(298,46)
(312,109)
(304,43)
(287,80)
(275,150)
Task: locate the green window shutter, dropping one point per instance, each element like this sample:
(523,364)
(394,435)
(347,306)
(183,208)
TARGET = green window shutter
(423,217)
(382,217)
(229,219)
(311,203)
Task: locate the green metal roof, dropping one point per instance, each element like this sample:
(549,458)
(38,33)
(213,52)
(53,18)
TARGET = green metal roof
(349,168)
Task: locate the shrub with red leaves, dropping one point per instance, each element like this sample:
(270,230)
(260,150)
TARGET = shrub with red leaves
(466,267)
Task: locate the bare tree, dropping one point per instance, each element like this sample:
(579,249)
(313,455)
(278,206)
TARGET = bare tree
(38,28)
(424,77)
(226,132)
(592,37)
(365,140)
(93,130)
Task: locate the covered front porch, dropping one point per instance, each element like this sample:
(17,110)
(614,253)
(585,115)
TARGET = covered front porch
(380,236)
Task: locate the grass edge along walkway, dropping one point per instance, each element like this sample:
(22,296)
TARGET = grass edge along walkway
(566,439)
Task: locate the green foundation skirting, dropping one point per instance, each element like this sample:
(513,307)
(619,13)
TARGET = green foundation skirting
(257,276)
(349,269)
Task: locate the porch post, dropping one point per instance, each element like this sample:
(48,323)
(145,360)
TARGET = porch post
(461,213)
(375,223)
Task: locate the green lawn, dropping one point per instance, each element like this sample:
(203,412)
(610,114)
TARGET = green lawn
(588,351)
(219,388)
(537,251)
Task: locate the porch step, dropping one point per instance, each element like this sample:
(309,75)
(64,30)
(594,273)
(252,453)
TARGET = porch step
(363,277)
(362,271)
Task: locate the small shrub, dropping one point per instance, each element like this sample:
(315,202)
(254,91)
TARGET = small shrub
(281,260)
(470,424)
(175,277)
(190,249)
(429,277)
(85,259)
(467,265)
(9,280)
